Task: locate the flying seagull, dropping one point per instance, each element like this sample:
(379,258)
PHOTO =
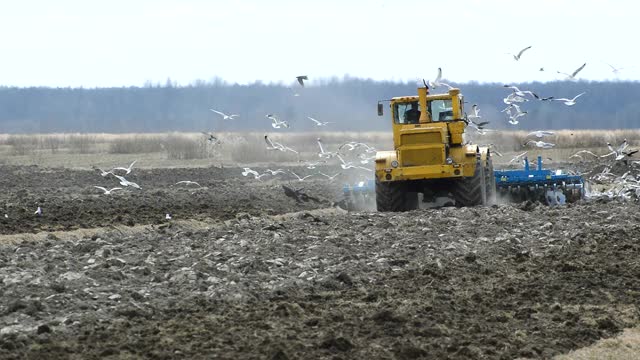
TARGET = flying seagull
(127,169)
(225,116)
(211,138)
(572,76)
(330,177)
(583,152)
(38,211)
(621,151)
(614,69)
(349,165)
(167,216)
(125,182)
(476,112)
(570,102)
(105,173)
(301,79)
(325,154)
(513,118)
(436,82)
(518,157)
(187,182)
(540,144)
(517,57)
(275,172)
(272,145)
(300,178)
(277,123)
(319,123)
(107,192)
(541,133)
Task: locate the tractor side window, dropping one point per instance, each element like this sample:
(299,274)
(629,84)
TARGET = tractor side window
(406,113)
(441,110)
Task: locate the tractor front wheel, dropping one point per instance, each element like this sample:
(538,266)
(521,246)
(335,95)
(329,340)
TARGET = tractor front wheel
(395,196)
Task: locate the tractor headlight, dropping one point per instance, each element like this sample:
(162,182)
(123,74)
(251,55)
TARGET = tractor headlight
(449,161)
(394,163)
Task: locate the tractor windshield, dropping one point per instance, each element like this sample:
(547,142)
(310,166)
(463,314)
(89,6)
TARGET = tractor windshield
(441,110)
(406,113)
(409,113)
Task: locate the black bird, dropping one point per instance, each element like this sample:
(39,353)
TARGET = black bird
(301,79)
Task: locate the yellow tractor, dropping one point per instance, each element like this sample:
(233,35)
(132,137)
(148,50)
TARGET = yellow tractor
(431,156)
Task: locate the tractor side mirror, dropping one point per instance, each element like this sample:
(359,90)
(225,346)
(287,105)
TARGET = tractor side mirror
(380,109)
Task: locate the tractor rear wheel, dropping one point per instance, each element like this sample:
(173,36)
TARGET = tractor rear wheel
(395,196)
(469,191)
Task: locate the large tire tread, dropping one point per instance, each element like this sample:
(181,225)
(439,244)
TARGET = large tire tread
(394,196)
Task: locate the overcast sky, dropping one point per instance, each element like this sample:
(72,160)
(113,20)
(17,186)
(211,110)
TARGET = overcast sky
(123,43)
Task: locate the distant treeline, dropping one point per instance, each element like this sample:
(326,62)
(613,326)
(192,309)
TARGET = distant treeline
(349,102)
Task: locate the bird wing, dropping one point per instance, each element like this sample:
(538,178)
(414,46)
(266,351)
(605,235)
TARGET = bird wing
(314,120)
(130,166)
(321,148)
(523,50)
(116,188)
(101,188)
(577,96)
(218,112)
(578,70)
(439,77)
(269,142)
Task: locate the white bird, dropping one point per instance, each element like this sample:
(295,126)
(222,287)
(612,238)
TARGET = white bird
(621,151)
(313,164)
(167,216)
(352,145)
(572,76)
(275,172)
(476,112)
(256,175)
(436,82)
(248,171)
(323,153)
(493,150)
(519,92)
(614,69)
(38,211)
(225,116)
(583,152)
(514,98)
(107,192)
(541,133)
(301,79)
(517,56)
(187,182)
(272,145)
(6,216)
(570,102)
(330,177)
(319,123)
(540,144)
(277,123)
(300,178)
(364,159)
(349,165)
(105,173)
(518,157)
(125,182)
(513,119)
(127,169)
